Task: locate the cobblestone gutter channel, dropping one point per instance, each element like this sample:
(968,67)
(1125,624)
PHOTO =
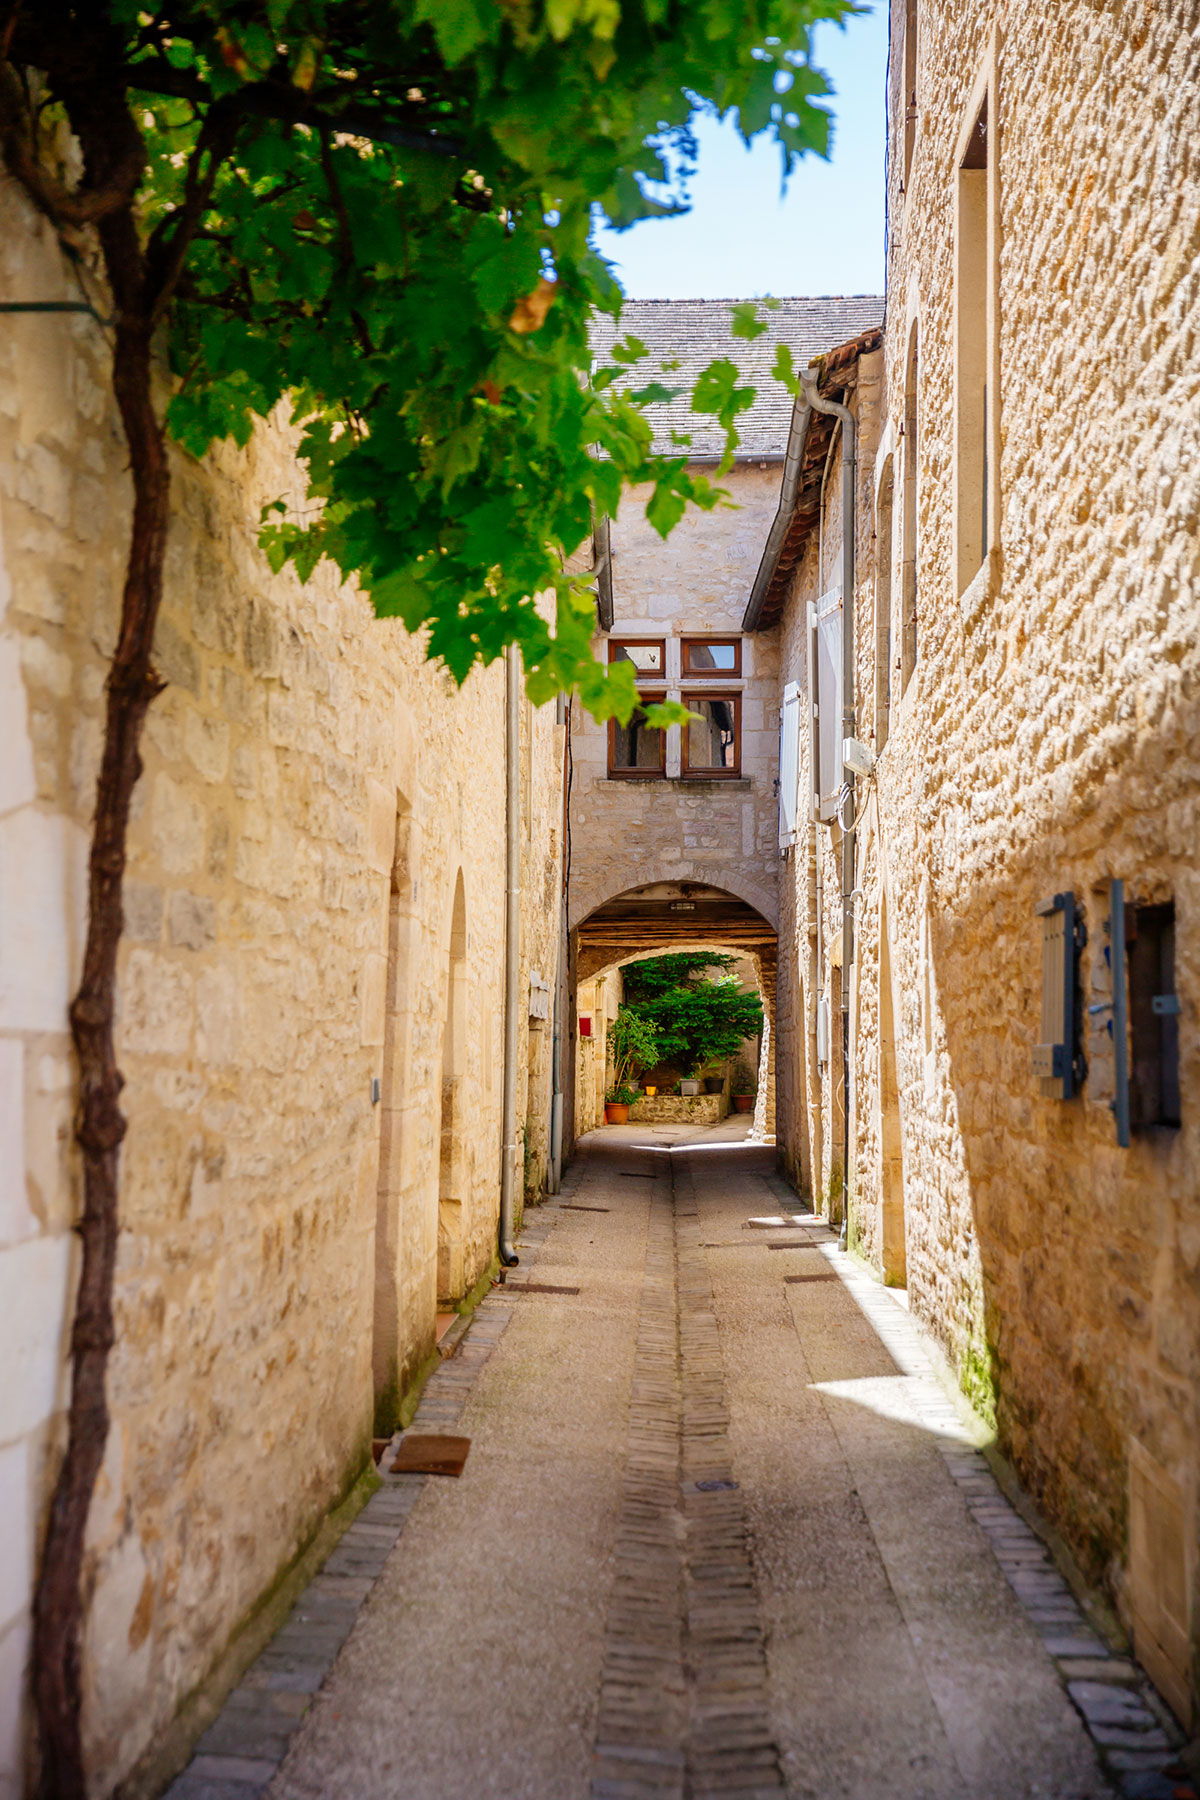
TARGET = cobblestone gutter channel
(683,1707)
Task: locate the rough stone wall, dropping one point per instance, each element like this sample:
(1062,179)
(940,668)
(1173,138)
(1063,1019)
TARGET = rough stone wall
(313,793)
(1046,742)
(627,834)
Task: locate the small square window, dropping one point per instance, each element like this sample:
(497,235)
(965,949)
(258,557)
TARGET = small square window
(712,656)
(712,744)
(636,751)
(648,656)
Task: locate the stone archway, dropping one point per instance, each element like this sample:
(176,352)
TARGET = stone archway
(662,916)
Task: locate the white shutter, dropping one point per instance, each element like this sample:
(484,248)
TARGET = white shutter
(789,763)
(828,645)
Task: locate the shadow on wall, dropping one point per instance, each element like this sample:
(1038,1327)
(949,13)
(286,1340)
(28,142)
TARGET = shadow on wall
(1067,1295)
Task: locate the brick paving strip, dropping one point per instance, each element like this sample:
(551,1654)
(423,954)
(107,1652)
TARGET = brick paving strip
(241,1751)
(683,1693)
(1135,1735)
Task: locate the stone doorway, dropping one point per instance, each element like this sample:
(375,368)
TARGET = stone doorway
(891,1135)
(451,1279)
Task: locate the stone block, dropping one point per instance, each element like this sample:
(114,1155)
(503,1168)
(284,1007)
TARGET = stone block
(178,826)
(157,1005)
(17,782)
(43,890)
(16,1565)
(14,1653)
(16,1219)
(34,1279)
(192,920)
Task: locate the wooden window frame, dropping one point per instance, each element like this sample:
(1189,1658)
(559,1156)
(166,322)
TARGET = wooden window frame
(643,675)
(690,674)
(707,773)
(659,774)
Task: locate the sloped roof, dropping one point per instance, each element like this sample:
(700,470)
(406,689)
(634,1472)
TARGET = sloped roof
(697,332)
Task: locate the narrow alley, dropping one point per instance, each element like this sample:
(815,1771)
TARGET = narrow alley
(721,1530)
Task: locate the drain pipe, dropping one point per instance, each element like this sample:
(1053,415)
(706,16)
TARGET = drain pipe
(512,945)
(835,409)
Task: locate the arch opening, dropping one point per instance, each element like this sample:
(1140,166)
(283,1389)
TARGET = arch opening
(661,919)
(452,1170)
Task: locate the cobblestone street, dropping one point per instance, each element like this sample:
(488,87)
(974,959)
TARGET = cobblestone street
(722,1531)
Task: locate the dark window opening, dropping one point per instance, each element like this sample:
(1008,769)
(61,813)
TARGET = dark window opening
(711,742)
(636,751)
(1153,1016)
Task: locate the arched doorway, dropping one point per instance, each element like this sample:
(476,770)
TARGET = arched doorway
(891,1136)
(452,1165)
(389,1350)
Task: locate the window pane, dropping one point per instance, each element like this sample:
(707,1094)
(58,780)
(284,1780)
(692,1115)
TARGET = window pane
(636,745)
(712,739)
(720,659)
(647,659)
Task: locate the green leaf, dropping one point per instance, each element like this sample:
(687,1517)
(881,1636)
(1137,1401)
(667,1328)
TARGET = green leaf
(746,322)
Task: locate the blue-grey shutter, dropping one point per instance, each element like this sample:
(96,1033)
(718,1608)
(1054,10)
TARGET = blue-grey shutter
(789,763)
(1119,1025)
(1054,1057)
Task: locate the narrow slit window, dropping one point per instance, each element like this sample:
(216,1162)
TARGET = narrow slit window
(910,85)
(712,741)
(909,570)
(974,227)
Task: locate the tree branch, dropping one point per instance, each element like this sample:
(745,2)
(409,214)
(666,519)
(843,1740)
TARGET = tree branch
(84,206)
(289,106)
(167,250)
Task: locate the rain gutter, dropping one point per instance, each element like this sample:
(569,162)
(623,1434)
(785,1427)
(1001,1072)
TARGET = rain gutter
(837,410)
(802,411)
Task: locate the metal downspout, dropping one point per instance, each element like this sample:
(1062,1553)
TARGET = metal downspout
(512,945)
(836,410)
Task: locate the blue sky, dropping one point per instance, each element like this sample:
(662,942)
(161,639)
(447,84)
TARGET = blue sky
(825,236)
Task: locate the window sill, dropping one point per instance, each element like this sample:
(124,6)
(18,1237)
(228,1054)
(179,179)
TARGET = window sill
(740,784)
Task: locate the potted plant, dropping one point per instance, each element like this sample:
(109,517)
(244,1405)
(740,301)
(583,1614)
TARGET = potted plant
(714,1082)
(632,1045)
(745,1086)
(617,1103)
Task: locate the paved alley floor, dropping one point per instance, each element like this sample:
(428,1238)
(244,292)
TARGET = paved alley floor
(720,1532)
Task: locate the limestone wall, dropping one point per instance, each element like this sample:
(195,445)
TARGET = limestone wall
(315,898)
(1046,742)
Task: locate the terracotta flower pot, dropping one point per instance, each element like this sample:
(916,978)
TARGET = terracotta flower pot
(616,1112)
(743,1103)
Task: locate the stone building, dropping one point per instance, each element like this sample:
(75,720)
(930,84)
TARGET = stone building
(311,1025)
(1024,994)
(674,837)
